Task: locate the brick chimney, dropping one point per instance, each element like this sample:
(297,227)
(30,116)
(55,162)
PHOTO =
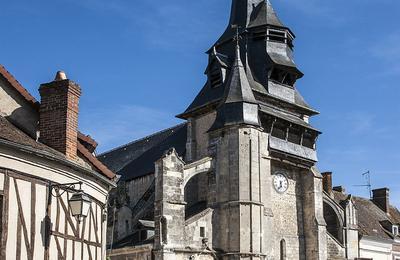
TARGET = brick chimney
(381,198)
(327,182)
(59,114)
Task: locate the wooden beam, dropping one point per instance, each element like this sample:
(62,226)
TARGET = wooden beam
(67,215)
(60,255)
(95,224)
(4,233)
(33,219)
(19,237)
(73,238)
(22,218)
(83,237)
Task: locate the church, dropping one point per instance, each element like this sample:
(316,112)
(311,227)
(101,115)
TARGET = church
(238,179)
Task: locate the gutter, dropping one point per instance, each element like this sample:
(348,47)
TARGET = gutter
(63,161)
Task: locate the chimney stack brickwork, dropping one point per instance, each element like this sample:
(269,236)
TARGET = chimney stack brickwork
(59,116)
(381,199)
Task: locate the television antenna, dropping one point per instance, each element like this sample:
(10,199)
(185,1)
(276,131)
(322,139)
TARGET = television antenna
(367,176)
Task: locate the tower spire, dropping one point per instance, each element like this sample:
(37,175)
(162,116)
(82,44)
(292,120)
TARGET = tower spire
(238,105)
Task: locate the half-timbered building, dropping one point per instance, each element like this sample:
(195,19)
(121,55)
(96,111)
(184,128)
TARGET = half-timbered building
(45,165)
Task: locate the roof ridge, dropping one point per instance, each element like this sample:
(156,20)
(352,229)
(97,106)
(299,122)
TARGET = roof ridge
(141,139)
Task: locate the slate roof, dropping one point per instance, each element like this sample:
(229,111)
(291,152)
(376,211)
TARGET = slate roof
(245,16)
(137,159)
(237,91)
(370,217)
(242,14)
(265,14)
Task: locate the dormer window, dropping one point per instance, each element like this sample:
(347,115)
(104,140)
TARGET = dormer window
(395,230)
(283,77)
(277,36)
(280,36)
(215,78)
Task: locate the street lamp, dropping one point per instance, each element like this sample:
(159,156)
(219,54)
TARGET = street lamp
(80,205)
(79,201)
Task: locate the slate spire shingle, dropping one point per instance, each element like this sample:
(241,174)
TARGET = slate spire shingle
(238,105)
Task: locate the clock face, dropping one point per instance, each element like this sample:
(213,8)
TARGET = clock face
(281,183)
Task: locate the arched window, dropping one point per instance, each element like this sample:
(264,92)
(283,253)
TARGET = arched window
(283,249)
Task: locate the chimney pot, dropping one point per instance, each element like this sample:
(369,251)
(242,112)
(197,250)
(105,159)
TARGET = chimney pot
(60,75)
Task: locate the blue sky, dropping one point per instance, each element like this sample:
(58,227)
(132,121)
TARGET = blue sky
(141,62)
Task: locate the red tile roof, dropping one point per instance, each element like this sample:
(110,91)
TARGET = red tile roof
(95,162)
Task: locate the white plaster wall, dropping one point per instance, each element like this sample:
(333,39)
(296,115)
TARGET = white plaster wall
(375,249)
(50,170)
(16,107)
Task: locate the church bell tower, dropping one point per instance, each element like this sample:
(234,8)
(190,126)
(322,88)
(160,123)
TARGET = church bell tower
(249,117)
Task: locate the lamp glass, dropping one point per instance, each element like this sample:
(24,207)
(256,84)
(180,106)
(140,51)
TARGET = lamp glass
(80,205)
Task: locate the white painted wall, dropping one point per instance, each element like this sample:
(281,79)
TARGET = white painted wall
(375,249)
(14,106)
(50,170)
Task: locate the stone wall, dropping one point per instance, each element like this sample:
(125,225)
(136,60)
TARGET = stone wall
(313,219)
(169,212)
(287,209)
(334,249)
(193,233)
(131,253)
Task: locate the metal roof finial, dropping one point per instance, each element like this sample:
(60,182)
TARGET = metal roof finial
(237,36)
